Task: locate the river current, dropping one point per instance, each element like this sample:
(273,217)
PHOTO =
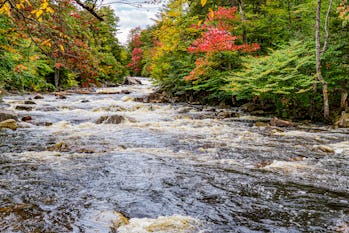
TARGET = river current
(166,168)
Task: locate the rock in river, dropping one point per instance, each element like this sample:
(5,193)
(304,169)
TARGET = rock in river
(5,115)
(114,119)
(9,124)
(24,108)
(37,97)
(29,102)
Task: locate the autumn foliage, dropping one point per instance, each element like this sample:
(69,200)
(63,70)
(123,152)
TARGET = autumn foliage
(61,38)
(217,37)
(136,56)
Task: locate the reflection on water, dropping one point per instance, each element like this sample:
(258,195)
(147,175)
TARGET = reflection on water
(166,168)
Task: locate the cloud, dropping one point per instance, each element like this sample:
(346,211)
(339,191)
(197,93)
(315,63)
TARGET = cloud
(131,17)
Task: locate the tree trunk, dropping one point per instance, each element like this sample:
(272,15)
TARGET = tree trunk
(318,62)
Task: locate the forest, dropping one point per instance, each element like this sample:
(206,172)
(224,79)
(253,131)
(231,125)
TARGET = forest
(288,57)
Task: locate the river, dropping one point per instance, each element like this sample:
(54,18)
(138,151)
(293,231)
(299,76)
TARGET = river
(166,168)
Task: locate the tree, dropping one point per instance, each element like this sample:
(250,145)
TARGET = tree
(319,52)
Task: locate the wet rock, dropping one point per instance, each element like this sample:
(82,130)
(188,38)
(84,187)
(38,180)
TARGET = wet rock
(24,108)
(344,120)
(27,118)
(126,92)
(280,123)
(325,149)
(114,119)
(85,101)
(6,114)
(61,96)
(154,98)
(9,124)
(131,81)
(37,97)
(29,102)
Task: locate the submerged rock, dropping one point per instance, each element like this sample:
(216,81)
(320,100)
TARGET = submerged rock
(5,115)
(114,119)
(9,124)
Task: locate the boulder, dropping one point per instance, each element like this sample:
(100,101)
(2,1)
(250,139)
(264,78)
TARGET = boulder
(24,108)
(344,120)
(29,102)
(114,119)
(37,97)
(280,123)
(5,115)
(9,124)
(27,118)
(131,81)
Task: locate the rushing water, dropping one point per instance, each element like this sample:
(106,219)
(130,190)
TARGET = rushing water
(167,168)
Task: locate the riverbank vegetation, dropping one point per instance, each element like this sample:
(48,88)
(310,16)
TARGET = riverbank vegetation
(290,57)
(56,45)
(286,57)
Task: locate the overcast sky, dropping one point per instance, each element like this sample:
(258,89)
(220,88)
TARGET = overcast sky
(131,17)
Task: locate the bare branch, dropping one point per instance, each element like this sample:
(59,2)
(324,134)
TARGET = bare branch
(91,10)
